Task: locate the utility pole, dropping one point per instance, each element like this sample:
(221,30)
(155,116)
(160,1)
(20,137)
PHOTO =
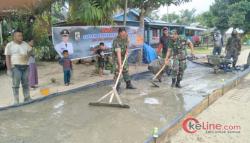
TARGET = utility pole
(125,13)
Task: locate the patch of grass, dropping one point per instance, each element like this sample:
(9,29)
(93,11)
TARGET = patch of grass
(202,50)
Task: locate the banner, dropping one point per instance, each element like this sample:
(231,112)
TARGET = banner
(80,40)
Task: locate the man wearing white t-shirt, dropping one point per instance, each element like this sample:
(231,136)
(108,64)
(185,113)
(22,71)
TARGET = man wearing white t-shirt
(17,54)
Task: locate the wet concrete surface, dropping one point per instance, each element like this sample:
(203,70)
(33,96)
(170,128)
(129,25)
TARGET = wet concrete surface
(69,118)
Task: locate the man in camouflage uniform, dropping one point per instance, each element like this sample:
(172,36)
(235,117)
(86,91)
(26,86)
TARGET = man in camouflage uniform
(233,47)
(119,51)
(177,50)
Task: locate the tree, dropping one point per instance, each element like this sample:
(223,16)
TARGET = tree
(171,18)
(187,16)
(205,19)
(92,12)
(59,11)
(154,15)
(228,13)
(147,6)
(240,14)
(221,14)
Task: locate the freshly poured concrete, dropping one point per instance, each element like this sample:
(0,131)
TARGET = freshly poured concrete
(69,118)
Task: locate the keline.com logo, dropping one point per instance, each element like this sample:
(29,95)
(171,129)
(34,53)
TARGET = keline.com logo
(192,125)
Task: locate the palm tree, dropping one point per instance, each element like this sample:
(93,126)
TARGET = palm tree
(92,12)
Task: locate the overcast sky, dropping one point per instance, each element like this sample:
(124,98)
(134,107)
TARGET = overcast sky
(200,6)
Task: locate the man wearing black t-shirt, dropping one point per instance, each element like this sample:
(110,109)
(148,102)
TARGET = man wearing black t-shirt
(164,40)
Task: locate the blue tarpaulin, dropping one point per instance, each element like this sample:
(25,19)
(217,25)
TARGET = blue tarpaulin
(149,54)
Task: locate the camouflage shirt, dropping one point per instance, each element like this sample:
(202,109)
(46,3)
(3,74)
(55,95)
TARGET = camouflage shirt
(233,43)
(179,48)
(121,44)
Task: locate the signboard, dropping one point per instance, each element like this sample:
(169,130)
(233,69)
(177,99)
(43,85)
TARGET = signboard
(82,39)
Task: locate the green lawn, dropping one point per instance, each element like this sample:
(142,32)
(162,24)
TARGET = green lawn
(202,50)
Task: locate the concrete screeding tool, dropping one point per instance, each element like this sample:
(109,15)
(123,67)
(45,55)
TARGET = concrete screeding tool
(156,75)
(113,93)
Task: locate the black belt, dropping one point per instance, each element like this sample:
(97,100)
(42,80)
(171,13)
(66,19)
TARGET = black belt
(21,66)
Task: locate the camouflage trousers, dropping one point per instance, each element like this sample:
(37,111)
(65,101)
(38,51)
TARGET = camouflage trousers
(233,53)
(178,68)
(125,73)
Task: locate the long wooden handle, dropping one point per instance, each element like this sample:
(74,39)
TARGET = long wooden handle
(120,72)
(163,67)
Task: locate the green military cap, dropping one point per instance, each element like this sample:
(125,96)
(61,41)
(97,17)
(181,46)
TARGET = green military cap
(174,31)
(182,37)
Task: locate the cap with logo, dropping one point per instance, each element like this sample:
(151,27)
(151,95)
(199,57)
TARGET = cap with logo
(65,32)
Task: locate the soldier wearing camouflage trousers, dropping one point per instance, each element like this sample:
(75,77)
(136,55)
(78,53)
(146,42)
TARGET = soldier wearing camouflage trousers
(120,50)
(178,51)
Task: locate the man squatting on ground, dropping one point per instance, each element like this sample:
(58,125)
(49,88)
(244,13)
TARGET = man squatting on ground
(120,50)
(17,54)
(233,47)
(177,50)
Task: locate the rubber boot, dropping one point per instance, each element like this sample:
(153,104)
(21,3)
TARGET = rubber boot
(129,85)
(173,82)
(118,88)
(234,64)
(159,79)
(178,83)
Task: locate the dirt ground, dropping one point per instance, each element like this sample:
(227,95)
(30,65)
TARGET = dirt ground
(231,109)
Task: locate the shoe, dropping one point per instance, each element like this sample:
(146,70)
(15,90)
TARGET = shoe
(129,85)
(27,99)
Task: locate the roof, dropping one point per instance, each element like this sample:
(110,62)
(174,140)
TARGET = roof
(195,28)
(132,15)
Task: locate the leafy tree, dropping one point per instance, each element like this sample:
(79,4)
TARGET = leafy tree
(171,18)
(221,14)
(147,6)
(154,15)
(92,12)
(228,13)
(240,14)
(206,19)
(59,11)
(187,16)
